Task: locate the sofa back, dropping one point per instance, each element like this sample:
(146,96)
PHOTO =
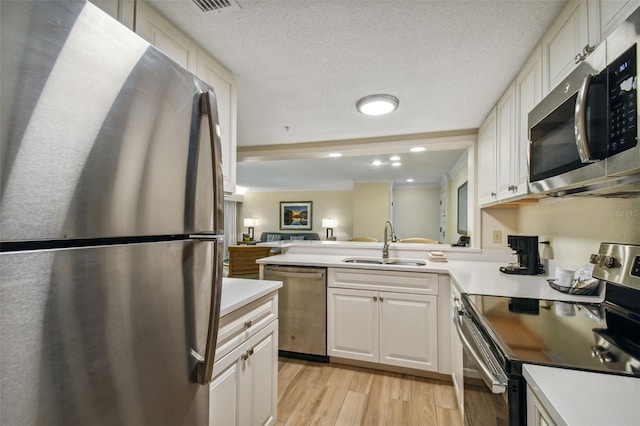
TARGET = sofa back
(278,236)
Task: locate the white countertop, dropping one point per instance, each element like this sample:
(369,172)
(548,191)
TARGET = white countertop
(473,277)
(581,398)
(237,292)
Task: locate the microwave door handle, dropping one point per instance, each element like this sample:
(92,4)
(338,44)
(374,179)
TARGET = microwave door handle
(582,140)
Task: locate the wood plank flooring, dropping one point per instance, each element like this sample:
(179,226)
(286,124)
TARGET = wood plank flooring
(312,393)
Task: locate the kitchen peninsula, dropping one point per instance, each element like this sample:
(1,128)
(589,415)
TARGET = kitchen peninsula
(470,271)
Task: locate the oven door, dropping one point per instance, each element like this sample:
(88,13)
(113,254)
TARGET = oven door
(568,129)
(484,403)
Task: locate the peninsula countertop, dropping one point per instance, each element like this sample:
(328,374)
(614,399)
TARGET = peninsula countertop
(237,292)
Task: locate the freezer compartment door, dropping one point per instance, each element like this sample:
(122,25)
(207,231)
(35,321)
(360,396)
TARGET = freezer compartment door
(105,335)
(102,134)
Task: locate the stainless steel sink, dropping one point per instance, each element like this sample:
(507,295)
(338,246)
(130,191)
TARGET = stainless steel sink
(380,261)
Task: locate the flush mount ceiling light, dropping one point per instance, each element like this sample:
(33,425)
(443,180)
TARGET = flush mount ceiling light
(377,104)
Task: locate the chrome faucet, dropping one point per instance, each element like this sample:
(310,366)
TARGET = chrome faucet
(385,248)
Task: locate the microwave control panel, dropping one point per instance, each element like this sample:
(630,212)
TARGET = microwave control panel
(623,104)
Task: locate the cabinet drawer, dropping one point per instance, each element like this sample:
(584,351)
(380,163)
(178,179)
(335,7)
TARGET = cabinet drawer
(241,324)
(365,279)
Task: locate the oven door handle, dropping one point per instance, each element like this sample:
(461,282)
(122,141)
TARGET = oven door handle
(494,378)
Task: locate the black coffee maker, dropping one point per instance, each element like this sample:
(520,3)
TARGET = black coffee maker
(526,252)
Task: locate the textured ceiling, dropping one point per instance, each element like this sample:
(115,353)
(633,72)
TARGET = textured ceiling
(302,64)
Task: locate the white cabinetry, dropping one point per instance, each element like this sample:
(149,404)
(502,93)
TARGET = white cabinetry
(528,95)
(383,317)
(507,148)
(161,33)
(487,166)
(244,389)
(608,14)
(565,39)
(224,85)
(537,414)
(154,28)
(122,10)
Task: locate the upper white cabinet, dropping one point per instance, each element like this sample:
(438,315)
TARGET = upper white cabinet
(507,148)
(154,28)
(487,165)
(122,10)
(528,88)
(606,15)
(224,85)
(158,31)
(566,38)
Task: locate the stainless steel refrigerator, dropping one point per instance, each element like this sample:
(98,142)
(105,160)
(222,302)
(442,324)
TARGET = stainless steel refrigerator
(111,216)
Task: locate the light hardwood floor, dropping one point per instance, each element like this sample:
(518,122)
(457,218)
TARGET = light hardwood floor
(311,393)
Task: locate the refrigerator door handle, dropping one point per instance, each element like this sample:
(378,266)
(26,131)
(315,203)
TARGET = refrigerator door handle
(209,108)
(204,367)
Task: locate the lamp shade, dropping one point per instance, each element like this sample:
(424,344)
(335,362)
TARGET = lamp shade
(329,223)
(251,221)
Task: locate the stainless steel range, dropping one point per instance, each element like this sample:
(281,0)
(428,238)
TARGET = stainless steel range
(502,333)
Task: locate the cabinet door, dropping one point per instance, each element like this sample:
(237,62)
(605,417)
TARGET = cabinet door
(610,13)
(537,415)
(487,160)
(161,33)
(224,85)
(223,393)
(409,330)
(352,324)
(259,382)
(506,144)
(566,38)
(528,94)
(122,10)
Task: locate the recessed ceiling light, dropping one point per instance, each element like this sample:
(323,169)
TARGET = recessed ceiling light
(377,104)
(418,149)
(409,180)
(396,164)
(394,158)
(335,154)
(376,163)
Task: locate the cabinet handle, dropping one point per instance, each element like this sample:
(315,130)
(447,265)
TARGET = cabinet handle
(493,194)
(250,352)
(512,188)
(244,356)
(586,51)
(247,324)
(381,299)
(375,298)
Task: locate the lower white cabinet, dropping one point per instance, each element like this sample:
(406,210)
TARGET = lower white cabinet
(537,414)
(244,387)
(383,327)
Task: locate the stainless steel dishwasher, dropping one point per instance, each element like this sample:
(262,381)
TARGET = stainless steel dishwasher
(302,310)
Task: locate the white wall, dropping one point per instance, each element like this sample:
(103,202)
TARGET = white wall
(416,212)
(575,226)
(266,207)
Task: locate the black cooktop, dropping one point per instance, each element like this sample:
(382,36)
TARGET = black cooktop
(587,336)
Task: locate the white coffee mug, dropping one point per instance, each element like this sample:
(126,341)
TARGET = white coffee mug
(564,276)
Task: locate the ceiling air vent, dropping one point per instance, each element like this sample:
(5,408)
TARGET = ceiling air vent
(219,6)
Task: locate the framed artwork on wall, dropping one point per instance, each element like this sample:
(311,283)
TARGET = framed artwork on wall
(295,215)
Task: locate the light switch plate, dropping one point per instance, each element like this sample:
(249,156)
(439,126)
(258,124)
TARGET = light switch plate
(497,236)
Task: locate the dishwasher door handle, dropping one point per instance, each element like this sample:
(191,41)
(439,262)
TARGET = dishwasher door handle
(286,274)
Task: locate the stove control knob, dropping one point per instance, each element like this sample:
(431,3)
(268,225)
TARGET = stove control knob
(597,350)
(607,262)
(606,357)
(594,258)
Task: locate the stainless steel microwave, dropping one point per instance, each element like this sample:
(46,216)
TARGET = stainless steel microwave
(583,136)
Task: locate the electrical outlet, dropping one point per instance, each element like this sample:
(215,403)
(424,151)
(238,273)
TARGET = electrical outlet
(497,236)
